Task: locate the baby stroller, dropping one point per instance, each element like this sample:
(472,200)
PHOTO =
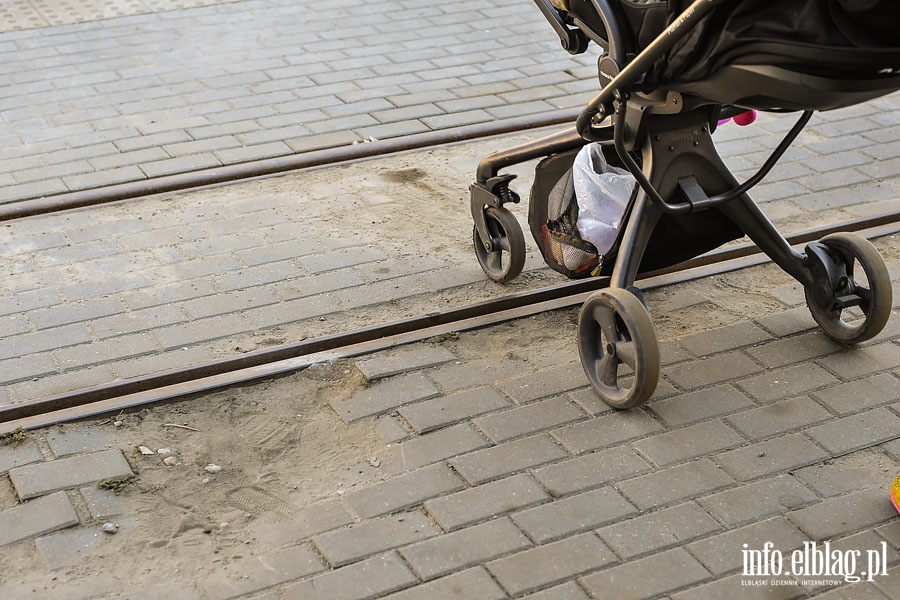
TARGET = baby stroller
(669,72)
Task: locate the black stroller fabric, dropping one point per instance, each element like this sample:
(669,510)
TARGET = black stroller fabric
(845,39)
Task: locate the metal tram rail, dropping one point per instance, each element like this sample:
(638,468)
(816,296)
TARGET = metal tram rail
(271,362)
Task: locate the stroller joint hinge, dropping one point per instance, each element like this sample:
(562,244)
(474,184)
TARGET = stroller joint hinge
(696,197)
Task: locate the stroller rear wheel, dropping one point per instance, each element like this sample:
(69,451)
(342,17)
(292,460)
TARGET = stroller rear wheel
(849,292)
(503,256)
(614,329)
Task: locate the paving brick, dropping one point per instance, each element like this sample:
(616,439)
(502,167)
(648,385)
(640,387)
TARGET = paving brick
(36,517)
(591,470)
(385,396)
(733,589)
(688,442)
(25,453)
(606,430)
(260,572)
(712,370)
(545,383)
(447,410)
(103,504)
(658,530)
(788,351)
(68,548)
(723,553)
(455,551)
(163,591)
(485,501)
(788,381)
(566,591)
(432,447)
(700,405)
(550,564)
(757,501)
(770,457)
(472,583)
(674,484)
(404,491)
(840,516)
(855,396)
(532,418)
(723,339)
(573,514)
(779,417)
(851,473)
(366,579)
(859,362)
(77,441)
(35,480)
(345,546)
(498,461)
(647,577)
(856,431)
(310,520)
(407,358)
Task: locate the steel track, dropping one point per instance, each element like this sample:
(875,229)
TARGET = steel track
(263,364)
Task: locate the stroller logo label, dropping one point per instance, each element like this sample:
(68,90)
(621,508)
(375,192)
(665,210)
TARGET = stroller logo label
(814,564)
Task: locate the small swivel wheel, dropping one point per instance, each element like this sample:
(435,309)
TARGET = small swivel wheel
(614,329)
(831,298)
(503,256)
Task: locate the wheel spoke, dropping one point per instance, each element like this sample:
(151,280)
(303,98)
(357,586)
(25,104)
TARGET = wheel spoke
(605,316)
(866,295)
(494,261)
(608,370)
(627,353)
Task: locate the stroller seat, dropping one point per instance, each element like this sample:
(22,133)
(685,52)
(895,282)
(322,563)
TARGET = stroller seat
(786,55)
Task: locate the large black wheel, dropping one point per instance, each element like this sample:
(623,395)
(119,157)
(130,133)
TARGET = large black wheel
(614,329)
(859,305)
(504,260)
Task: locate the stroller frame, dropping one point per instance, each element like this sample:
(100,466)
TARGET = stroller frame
(682,180)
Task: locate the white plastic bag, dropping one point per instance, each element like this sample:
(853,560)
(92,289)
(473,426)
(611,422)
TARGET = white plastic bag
(602,193)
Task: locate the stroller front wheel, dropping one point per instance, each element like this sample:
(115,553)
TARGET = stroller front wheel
(865,297)
(503,256)
(614,329)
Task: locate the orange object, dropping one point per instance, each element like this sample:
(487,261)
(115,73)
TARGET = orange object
(895,493)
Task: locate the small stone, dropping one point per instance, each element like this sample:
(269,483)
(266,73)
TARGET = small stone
(145,450)
(204,480)
(164,451)
(110,528)
(170,461)
(211,468)
(375,462)
(117,423)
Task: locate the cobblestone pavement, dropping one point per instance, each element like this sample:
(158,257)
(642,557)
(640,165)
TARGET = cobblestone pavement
(505,479)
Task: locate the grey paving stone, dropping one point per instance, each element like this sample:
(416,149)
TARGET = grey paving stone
(36,517)
(504,459)
(78,441)
(788,351)
(310,520)
(446,410)
(68,548)
(545,383)
(854,472)
(257,573)
(757,501)
(733,589)
(723,339)
(485,501)
(529,419)
(404,491)
(163,591)
(591,470)
(688,442)
(550,564)
(103,504)
(830,519)
(779,417)
(648,577)
(566,591)
(385,396)
(471,583)
(345,546)
(605,431)
(25,453)
(712,370)
(407,358)
(787,382)
(700,405)
(863,361)
(770,457)
(38,479)
(463,548)
(674,484)
(723,553)
(855,396)
(365,579)
(856,431)
(432,447)
(573,514)
(658,530)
